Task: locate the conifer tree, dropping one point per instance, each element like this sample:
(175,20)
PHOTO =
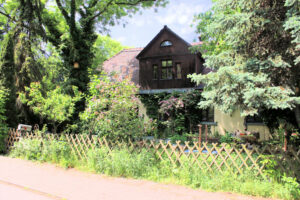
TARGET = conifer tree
(253,49)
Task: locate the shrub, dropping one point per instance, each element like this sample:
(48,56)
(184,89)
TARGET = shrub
(30,149)
(112,109)
(227,138)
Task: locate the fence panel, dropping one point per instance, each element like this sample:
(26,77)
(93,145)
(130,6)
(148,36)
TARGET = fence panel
(208,157)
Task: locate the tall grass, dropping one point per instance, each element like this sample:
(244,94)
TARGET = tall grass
(146,165)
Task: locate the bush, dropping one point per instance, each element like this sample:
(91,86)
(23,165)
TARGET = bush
(227,138)
(58,152)
(112,109)
(121,162)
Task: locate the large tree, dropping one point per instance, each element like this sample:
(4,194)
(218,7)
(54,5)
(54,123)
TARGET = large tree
(253,49)
(78,34)
(69,25)
(18,66)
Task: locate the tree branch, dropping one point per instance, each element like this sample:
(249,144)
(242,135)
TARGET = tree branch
(73,9)
(119,3)
(7,15)
(63,11)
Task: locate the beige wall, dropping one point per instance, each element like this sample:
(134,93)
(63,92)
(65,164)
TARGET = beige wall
(235,122)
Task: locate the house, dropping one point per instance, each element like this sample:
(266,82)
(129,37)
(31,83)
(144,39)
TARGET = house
(163,65)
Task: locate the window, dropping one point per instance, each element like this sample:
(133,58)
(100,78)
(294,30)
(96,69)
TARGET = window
(155,72)
(254,119)
(207,115)
(166,43)
(178,71)
(166,69)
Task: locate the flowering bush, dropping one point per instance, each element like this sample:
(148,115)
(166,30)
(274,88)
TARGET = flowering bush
(112,108)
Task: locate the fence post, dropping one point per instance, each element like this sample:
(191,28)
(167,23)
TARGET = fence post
(206,130)
(285,141)
(199,138)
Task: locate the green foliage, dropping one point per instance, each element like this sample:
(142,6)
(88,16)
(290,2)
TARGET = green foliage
(3,125)
(227,138)
(176,112)
(75,34)
(28,149)
(70,26)
(112,108)
(58,152)
(121,162)
(252,48)
(7,77)
(176,137)
(55,106)
(18,65)
(104,48)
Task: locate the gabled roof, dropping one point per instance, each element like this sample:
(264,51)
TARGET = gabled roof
(124,63)
(165,29)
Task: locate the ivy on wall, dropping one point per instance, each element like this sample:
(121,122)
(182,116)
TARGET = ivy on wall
(176,113)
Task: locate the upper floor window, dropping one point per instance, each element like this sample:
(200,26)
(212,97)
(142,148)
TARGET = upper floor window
(166,43)
(166,69)
(178,71)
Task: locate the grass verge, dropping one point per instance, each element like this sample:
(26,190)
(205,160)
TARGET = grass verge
(146,165)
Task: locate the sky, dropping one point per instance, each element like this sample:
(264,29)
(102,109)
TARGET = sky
(177,15)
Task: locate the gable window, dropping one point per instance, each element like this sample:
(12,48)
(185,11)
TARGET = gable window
(155,72)
(166,69)
(178,71)
(166,43)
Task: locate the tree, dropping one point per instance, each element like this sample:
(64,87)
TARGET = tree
(104,48)
(79,19)
(18,66)
(3,125)
(253,49)
(55,106)
(70,26)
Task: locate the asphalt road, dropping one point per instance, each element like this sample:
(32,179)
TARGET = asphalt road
(10,191)
(25,180)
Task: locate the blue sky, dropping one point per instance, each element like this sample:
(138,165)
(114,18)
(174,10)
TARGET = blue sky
(177,15)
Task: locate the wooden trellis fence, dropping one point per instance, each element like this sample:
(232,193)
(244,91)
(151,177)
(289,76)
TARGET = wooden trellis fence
(209,157)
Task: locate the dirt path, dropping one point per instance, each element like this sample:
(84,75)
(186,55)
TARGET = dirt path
(56,183)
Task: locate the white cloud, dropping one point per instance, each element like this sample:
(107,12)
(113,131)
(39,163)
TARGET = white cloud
(182,13)
(121,39)
(138,21)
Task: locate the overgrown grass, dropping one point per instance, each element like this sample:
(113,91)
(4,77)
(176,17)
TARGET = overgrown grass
(146,165)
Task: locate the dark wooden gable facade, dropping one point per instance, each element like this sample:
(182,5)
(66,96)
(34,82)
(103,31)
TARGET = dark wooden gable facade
(166,61)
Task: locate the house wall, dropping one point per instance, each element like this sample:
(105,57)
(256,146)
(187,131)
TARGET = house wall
(235,122)
(179,53)
(146,72)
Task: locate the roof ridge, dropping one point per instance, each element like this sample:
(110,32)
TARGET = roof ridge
(124,50)
(133,49)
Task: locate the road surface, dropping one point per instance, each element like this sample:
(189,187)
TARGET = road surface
(25,180)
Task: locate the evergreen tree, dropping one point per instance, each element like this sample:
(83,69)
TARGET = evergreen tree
(253,49)
(18,66)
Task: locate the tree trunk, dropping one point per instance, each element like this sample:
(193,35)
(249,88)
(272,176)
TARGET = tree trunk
(297,114)
(54,128)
